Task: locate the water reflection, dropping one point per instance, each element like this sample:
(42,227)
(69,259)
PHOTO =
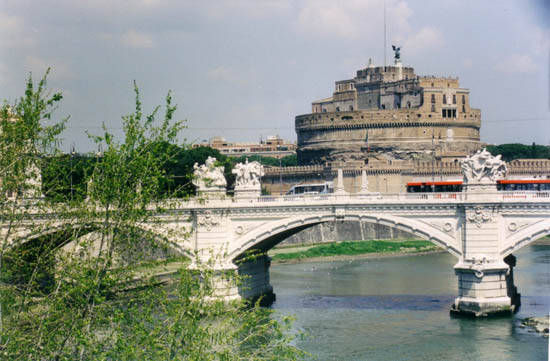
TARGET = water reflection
(398,309)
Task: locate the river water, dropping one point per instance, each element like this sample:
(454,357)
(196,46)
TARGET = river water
(398,309)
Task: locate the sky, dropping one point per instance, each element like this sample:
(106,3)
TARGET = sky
(243,69)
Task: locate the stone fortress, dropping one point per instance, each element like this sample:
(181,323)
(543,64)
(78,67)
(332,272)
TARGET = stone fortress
(397,126)
(389,112)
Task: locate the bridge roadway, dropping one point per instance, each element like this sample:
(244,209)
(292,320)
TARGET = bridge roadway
(481,229)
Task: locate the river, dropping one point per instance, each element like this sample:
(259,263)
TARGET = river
(398,309)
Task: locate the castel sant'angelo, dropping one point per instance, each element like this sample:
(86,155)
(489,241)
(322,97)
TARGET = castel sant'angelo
(389,112)
(396,126)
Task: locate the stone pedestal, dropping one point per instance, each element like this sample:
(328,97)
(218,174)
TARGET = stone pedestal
(485,288)
(480,188)
(211,192)
(247,192)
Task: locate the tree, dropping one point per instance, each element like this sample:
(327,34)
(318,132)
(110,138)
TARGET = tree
(89,289)
(517,151)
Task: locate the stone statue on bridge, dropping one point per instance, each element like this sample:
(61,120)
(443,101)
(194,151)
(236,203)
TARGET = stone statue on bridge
(209,177)
(248,176)
(483,168)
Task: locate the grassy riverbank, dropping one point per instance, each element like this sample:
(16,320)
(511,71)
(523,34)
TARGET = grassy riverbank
(356,248)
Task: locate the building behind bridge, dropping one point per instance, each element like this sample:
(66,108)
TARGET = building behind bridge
(274,146)
(396,125)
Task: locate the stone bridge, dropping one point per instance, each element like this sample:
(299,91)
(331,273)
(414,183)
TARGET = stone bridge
(480,226)
(481,230)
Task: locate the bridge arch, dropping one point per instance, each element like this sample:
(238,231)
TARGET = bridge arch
(60,227)
(267,236)
(526,236)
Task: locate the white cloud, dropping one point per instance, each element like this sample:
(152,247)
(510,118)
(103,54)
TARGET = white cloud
(354,19)
(516,64)
(425,38)
(13,32)
(326,18)
(38,65)
(224,74)
(247,8)
(134,39)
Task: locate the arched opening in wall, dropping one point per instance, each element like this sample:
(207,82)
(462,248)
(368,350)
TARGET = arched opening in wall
(30,263)
(334,244)
(70,255)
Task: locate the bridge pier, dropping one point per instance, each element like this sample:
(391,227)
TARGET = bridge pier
(252,283)
(486,288)
(254,280)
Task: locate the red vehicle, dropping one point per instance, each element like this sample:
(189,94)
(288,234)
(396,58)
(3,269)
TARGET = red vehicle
(524,185)
(424,187)
(502,185)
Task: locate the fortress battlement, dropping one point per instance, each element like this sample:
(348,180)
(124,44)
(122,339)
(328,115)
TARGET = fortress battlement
(391,112)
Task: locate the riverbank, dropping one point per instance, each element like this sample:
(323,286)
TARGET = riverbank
(347,250)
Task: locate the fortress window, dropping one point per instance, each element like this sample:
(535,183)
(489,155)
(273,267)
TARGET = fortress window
(463,109)
(444,113)
(433,98)
(433,108)
(463,99)
(444,98)
(324,110)
(337,109)
(454,98)
(351,107)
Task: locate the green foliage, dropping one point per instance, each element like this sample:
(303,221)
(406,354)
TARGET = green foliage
(91,289)
(64,176)
(518,151)
(179,170)
(357,248)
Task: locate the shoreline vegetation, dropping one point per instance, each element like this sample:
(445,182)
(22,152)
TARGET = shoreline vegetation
(351,250)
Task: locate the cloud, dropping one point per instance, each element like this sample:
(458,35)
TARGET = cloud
(425,38)
(327,18)
(516,64)
(353,19)
(248,8)
(13,32)
(226,75)
(134,39)
(59,68)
